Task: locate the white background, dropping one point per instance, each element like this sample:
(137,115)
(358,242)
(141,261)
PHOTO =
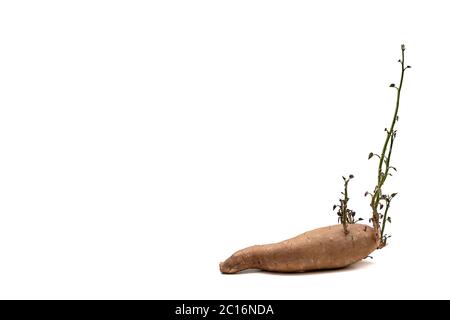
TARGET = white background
(142,142)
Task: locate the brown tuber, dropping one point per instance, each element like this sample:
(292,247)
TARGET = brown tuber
(319,249)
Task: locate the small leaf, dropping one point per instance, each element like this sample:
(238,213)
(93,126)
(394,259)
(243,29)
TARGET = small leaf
(389,219)
(381,206)
(408,67)
(370,155)
(396,118)
(351,176)
(403,47)
(392,85)
(394,168)
(334,207)
(394,194)
(366,193)
(343,178)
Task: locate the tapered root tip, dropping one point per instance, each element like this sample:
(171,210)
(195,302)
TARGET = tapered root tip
(226,269)
(222,268)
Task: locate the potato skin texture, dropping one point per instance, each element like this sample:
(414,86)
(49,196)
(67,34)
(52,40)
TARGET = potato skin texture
(318,249)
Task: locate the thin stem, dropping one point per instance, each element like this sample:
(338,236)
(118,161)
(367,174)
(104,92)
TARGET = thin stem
(388,205)
(344,209)
(383,174)
(388,159)
(394,119)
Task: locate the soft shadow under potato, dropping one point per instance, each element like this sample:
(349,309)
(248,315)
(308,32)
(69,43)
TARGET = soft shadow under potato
(360,265)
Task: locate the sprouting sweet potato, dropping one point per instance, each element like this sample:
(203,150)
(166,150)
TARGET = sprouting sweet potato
(339,245)
(319,249)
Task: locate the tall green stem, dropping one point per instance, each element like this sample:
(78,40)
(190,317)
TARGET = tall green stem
(383,172)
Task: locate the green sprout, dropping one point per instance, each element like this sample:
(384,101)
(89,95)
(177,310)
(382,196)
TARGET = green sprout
(345,215)
(385,168)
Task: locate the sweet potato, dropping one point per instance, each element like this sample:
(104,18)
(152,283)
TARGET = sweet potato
(319,249)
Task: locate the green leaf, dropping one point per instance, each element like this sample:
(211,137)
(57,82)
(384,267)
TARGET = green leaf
(370,155)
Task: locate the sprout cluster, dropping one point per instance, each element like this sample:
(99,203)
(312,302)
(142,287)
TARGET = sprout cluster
(345,214)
